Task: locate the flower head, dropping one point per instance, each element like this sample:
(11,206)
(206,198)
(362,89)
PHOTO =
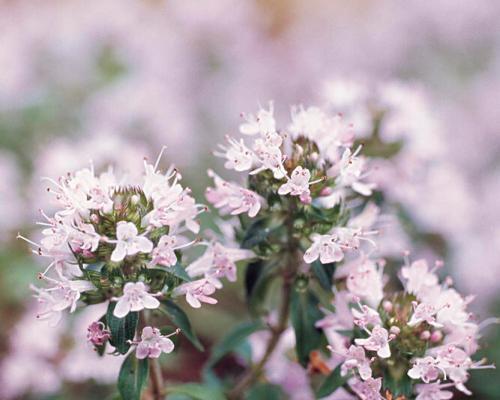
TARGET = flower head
(135,298)
(153,343)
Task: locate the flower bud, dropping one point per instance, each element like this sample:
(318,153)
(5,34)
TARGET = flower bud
(425,335)
(436,336)
(387,306)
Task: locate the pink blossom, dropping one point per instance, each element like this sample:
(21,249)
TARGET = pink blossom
(350,173)
(326,248)
(164,252)
(135,298)
(377,341)
(232,198)
(263,123)
(368,389)
(199,291)
(356,359)
(424,313)
(97,334)
(129,242)
(364,280)
(238,156)
(298,185)
(153,343)
(219,261)
(434,391)
(417,277)
(427,369)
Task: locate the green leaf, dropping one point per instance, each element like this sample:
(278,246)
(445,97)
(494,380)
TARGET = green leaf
(258,278)
(257,232)
(132,377)
(265,391)
(122,329)
(331,383)
(179,271)
(197,391)
(181,320)
(324,273)
(304,314)
(232,340)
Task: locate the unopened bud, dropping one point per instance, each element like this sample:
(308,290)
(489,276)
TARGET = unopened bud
(436,336)
(425,335)
(135,199)
(395,330)
(326,191)
(387,306)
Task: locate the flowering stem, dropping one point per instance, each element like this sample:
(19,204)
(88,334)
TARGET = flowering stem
(253,374)
(289,274)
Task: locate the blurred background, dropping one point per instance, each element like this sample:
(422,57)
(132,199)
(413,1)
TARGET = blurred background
(114,80)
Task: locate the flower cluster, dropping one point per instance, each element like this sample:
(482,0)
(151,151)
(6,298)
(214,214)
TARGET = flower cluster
(416,342)
(111,241)
(309,169)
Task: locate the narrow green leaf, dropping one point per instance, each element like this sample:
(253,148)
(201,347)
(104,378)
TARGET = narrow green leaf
(132,377)
(122,329)
(179,271)
(304,315)
(232,340)
(197,391)
(324,273)
(331,383)
(181,320)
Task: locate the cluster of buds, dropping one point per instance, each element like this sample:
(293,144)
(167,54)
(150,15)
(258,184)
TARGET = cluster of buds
(415,342)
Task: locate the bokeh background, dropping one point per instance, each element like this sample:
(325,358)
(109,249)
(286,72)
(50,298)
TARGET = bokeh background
(114,80)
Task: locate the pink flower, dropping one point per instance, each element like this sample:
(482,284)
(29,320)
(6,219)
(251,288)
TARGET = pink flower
(326,248)
(129,242)
(152,344)
(426,368)
(356,359)
(378,341)
(264,123)
(434,391)
(365,281)
(418,278)
(424,313)
(238,156)
(135,298)
(199,291)
(232,198)
(65,294)
(369,389)
(298,185)
(350,172)
(164,252)
(96,334)
(219,261)
(367,316)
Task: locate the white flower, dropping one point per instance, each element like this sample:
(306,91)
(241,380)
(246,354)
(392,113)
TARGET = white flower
(135,298)
(129,242)
(164,252)
(426,368)
(232,198)
(365,280)
(65,294)
(356,359)
(350,172)
(326,248)
(378,341)
(264,123)
(434,391)
(199,291)
(369,389)
(424,313)
(417,277)
(238,156)
(219,261)
(298,184)
(152,344)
